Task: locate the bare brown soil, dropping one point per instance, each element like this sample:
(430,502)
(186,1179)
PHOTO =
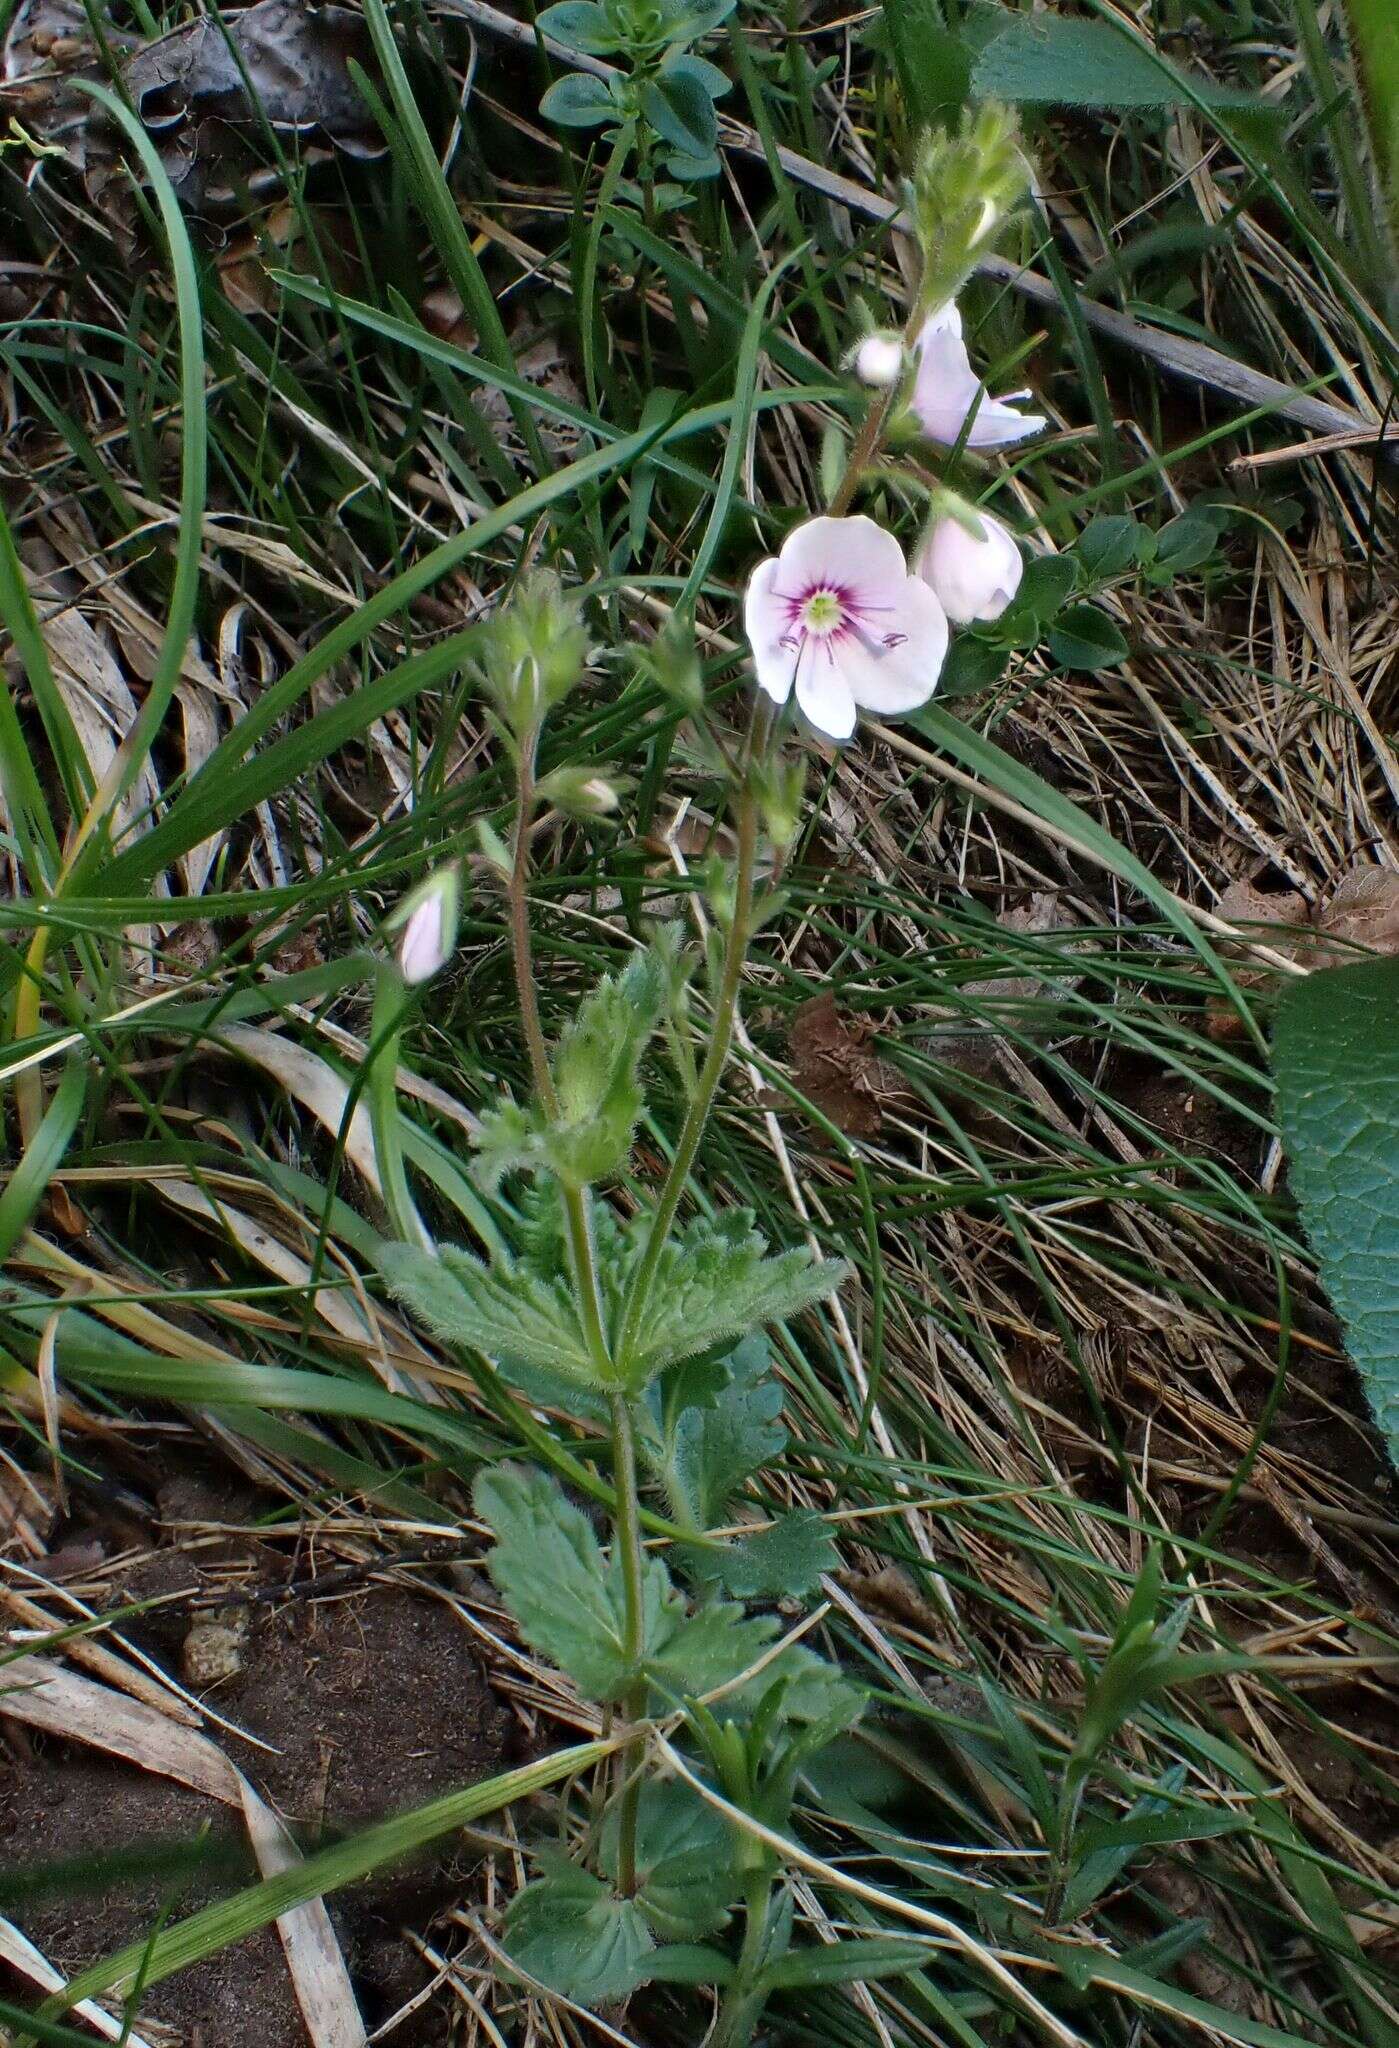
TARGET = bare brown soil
(372,1701)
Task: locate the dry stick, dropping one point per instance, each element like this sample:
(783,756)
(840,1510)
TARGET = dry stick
(1193,361)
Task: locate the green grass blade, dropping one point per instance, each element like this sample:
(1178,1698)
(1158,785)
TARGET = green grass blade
(184,593)
(230,1920)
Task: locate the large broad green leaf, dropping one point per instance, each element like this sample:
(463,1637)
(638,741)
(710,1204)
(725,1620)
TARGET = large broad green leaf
(1336,1051)
(788,1557)
(714,1283)
(933,65)
(568,1599)
(509,1312)
(720,1424)
(1053,60)
(554,1578)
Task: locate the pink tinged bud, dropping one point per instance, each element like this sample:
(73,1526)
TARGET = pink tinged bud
(879,360)
(421,952)
(427,927)
(973,578)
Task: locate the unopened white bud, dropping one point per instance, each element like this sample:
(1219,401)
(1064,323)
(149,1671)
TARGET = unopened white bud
(974,576)
(426,923)
(990,214)
(879,360)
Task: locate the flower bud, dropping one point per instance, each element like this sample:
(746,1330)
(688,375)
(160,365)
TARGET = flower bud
(426,922)
(974,574)
(963,187)
(533,651)
(879,359)
(780,784)
(580,791)
(672,662)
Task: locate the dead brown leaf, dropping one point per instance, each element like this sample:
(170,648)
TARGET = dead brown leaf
(1359,916)
(833,1068)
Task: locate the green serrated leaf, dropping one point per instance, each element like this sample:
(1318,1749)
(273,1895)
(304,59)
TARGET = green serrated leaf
(720,1425)
(1053,60)
(816,1691)
(571,1932)
(515,1316)
(596,1078)
(707,1649)
(1336,1055)
(786,1558)
(685,1862)
(552,1574)
(714,1283)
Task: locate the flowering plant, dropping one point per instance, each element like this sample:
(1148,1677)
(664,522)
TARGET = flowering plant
(648,1331)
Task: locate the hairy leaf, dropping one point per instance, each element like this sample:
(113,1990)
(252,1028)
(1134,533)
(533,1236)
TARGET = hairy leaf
(1336,1052)
(508,1311)
(715,1283)
(595,1074)
(786,1558)
(553,1576)
(720,1423)
(572,1933)
(707,1649)
(685,1862)
(1051,60)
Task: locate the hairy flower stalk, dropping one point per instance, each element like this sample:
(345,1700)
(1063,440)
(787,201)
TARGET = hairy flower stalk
(575,1200)
(589,1297)
(697,1115)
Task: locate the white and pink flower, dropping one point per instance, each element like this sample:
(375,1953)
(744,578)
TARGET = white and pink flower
(947,393)
(837,617)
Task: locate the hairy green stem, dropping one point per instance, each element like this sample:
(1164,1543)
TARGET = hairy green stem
(580,1233)
(697,1114)
(870,439)
(521,948)
(634,1640)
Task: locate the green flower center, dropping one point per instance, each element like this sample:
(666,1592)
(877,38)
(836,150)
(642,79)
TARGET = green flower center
(823,612)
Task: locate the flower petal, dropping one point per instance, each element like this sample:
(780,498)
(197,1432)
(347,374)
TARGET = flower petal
(854,555)
(997,425)
(823,690)
(946,389)
(766,621)
(900,678)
